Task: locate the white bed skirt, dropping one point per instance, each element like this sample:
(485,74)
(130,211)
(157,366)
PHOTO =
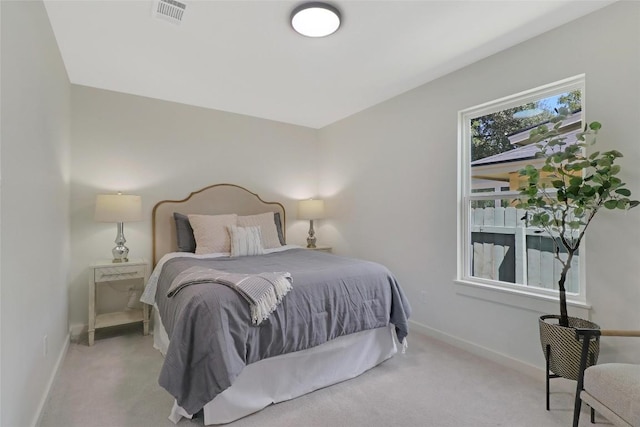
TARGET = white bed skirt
(288,376)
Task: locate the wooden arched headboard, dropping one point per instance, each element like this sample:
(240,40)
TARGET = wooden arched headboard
(212,200)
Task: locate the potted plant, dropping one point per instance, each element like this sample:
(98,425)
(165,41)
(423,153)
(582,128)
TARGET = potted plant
(562,199)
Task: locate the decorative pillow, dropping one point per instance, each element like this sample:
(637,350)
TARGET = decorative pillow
(245,241)
(210,232)
(184,233)
(267,226)
(276,218)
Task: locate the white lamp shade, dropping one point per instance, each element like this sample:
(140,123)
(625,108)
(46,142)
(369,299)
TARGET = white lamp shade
(118,208)
(311,209)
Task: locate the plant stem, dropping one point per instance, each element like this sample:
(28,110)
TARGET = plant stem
(564,317)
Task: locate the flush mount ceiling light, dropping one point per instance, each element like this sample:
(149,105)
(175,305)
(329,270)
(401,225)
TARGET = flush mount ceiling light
(315,19)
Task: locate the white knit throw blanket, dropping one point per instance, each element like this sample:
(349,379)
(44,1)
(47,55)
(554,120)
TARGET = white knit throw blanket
(263,291)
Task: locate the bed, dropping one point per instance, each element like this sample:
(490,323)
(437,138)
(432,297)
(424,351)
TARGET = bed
(333,319)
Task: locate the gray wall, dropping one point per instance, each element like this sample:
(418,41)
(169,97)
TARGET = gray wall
(34,209)
(389,174)
(162,150)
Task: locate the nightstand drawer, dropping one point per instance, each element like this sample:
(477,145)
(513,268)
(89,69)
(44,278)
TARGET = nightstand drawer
(120,272)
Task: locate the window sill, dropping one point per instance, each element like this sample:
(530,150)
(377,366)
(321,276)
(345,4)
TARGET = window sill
(520,298)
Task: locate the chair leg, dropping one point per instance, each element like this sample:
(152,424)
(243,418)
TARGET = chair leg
(576,411)
(583,365)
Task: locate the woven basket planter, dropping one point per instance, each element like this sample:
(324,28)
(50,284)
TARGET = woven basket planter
(564,358)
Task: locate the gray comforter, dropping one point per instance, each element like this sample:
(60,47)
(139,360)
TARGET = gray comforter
(209,325)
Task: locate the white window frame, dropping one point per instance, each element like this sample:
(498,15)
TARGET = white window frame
(534,298)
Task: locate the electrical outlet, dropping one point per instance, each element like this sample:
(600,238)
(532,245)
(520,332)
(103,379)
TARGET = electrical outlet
(45,346)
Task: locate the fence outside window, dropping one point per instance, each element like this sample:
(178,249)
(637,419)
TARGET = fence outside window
(504,249)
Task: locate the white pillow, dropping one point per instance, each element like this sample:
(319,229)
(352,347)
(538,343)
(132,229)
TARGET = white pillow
(267,226)
(245,241)
(210,232)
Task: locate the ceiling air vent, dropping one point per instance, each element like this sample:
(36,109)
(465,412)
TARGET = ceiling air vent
(169,10)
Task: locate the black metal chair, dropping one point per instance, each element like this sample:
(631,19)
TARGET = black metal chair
(612,389)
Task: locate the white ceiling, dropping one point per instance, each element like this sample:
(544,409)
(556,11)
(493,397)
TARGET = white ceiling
(243,56)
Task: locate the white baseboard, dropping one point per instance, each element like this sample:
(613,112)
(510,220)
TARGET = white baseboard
(538,373)
(486,353)
(52,378)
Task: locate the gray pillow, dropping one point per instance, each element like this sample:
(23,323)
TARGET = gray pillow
(276,218)
(184,233)
(187,243)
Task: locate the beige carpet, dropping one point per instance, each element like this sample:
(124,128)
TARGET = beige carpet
(114,384)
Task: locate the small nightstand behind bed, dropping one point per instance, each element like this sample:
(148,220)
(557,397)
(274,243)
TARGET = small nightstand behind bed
(102,272)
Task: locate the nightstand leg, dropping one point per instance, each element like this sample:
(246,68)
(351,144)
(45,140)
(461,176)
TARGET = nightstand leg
(92,308)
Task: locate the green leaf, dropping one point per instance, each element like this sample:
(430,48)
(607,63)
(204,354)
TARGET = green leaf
(611,204)
(604,162)
(584,164)
(623,192)
(573,191)
(595,126)
(575,181)
(574,225)
(534,138)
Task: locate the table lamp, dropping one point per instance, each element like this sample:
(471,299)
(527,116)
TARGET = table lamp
(118,208)
(311,209)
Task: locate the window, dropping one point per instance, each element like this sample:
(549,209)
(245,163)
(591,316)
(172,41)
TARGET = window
(496,248)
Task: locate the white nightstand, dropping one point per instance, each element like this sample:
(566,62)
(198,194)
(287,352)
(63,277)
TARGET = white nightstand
(321,248)
(102,272)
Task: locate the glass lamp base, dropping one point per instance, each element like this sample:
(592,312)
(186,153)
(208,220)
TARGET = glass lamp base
(120,254)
